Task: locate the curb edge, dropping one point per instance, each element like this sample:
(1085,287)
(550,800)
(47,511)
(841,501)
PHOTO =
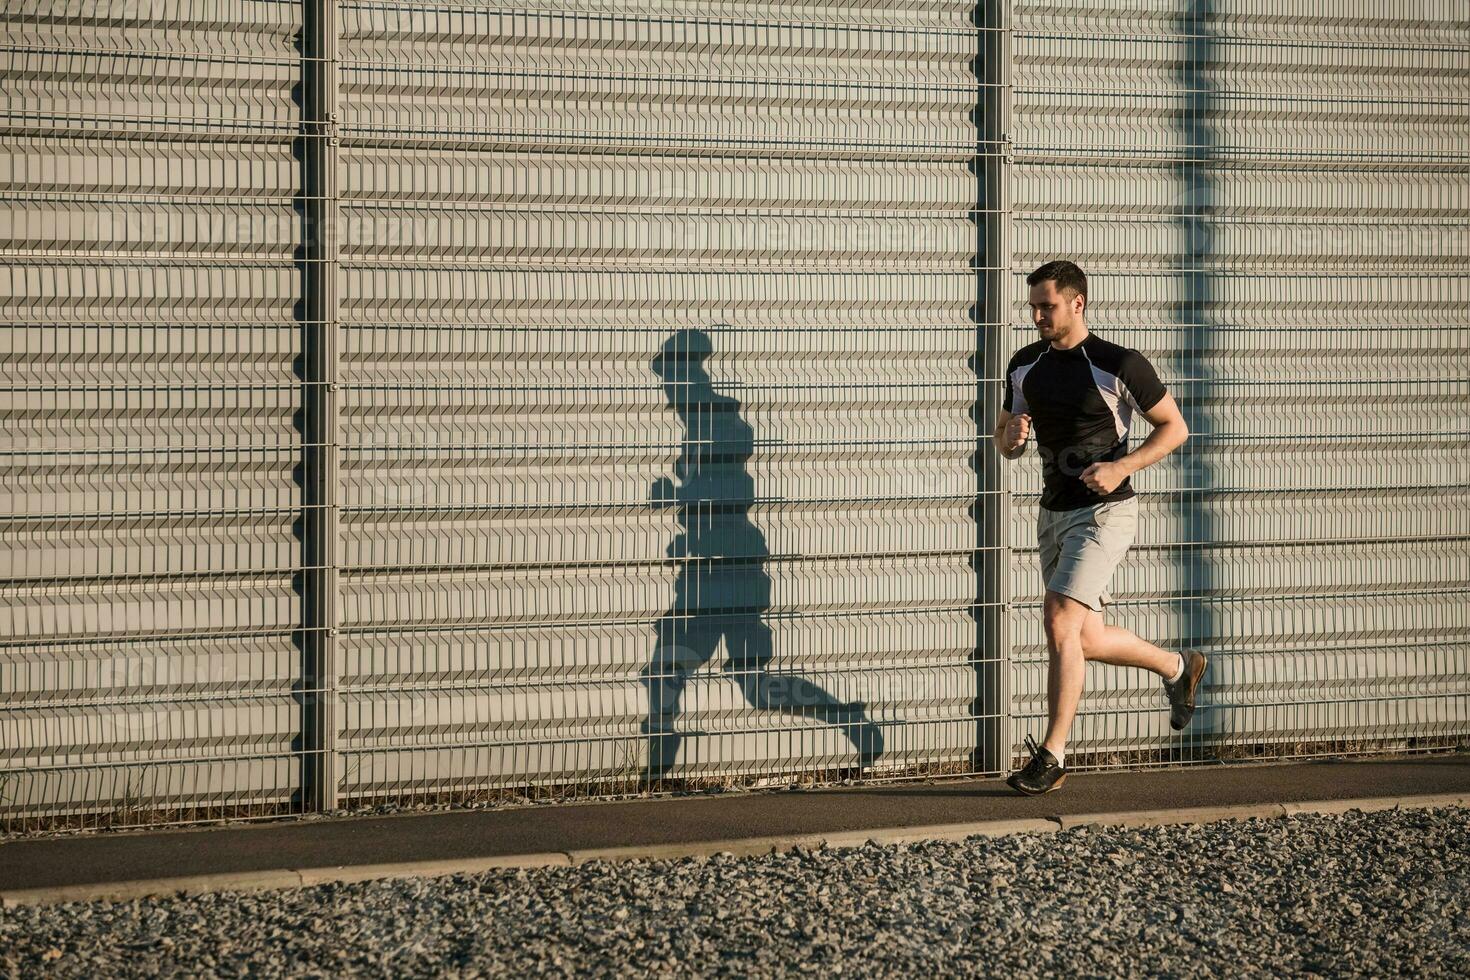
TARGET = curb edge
(306,877)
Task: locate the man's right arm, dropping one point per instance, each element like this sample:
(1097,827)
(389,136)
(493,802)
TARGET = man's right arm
(1010,398)
(1009,452)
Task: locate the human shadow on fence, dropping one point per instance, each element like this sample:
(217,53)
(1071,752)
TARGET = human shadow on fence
(723,590)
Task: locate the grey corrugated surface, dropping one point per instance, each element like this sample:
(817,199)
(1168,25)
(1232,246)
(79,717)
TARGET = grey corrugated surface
(544,200)
(147,334)
(1272,204)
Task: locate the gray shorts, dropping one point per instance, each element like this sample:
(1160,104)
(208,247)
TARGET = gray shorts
(1081,547)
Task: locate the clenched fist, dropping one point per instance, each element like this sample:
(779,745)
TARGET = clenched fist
(1017,429)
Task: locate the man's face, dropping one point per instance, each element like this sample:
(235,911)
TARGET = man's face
(1056,314)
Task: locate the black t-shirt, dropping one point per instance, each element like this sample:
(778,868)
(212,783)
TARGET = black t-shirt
(1081,402)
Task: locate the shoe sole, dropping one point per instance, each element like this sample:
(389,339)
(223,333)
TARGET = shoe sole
(1039,792)
(1194,679)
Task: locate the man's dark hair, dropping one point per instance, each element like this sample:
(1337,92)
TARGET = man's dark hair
(1065,274)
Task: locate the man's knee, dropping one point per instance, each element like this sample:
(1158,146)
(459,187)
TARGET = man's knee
(1093,636)
(1063,616)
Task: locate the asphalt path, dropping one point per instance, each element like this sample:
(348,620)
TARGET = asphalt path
(450,836)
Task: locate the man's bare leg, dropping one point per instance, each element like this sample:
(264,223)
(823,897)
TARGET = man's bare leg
(1115,645)
(1063,618)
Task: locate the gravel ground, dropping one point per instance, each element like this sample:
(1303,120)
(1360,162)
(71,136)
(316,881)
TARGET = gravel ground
(1374,894)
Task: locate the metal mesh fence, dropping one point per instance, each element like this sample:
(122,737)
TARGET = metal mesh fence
(149,331)
(1276,215)
(438,401)
(657,451)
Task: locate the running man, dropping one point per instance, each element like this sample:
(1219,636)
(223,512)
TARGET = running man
(1081,391)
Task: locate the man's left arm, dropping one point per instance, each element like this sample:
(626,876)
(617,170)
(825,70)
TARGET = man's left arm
(1169,434)
(1141,386)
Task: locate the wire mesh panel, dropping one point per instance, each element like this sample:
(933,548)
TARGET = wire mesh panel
(580,392)
(1270,200)
(147,334)
(657,450)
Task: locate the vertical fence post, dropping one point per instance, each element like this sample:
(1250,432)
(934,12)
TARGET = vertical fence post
(992,351)
(319,404)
